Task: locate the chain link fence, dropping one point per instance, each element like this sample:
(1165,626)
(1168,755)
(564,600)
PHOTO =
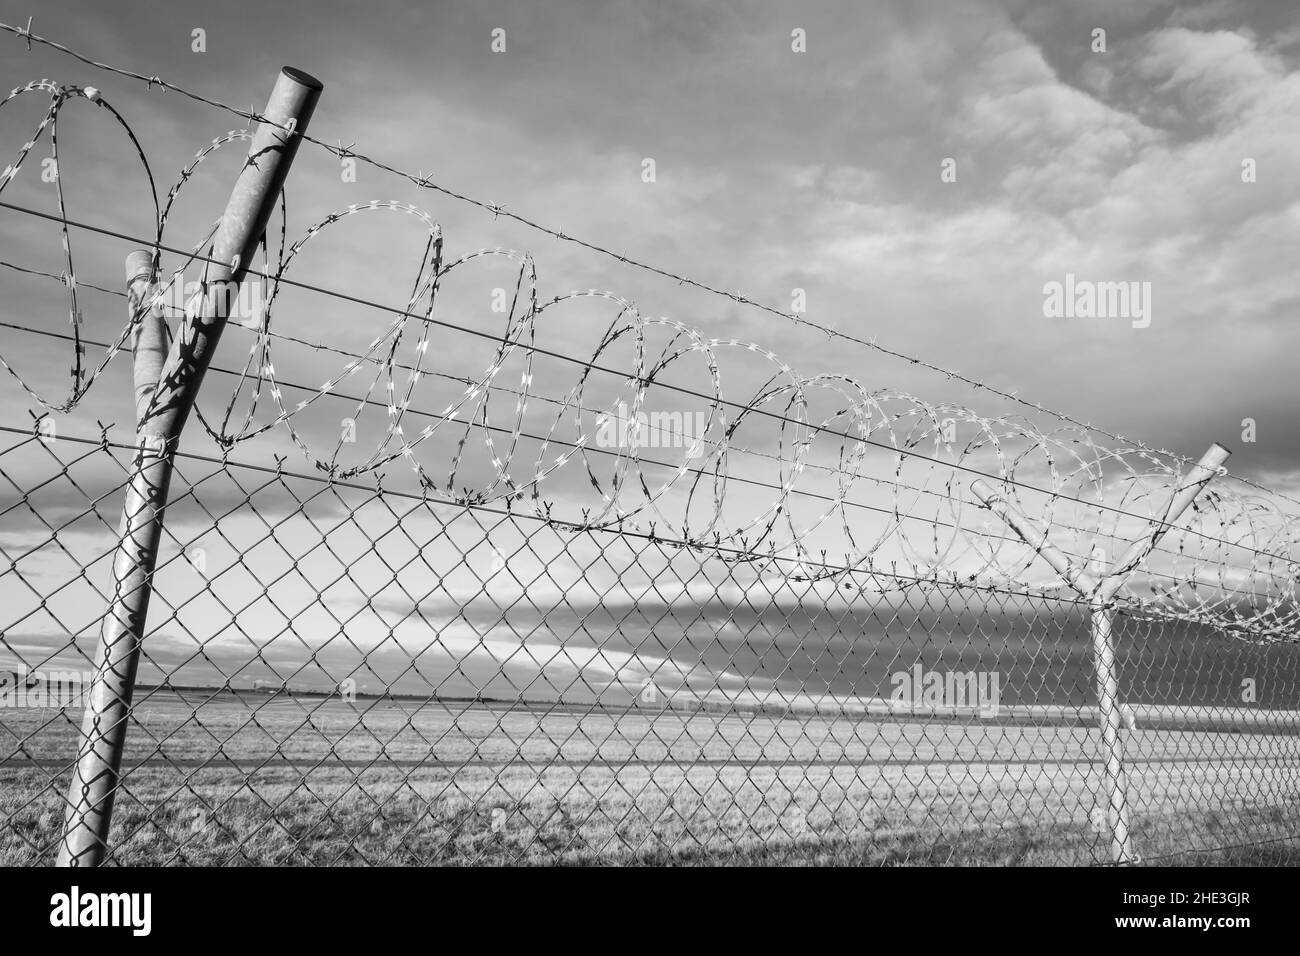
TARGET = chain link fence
(334,673)
(673,601)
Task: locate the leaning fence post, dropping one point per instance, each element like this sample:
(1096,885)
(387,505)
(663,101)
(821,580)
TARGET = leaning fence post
(1099,586)
(161,413)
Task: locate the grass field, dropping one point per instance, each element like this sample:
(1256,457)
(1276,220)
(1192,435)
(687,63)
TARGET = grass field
(249,779)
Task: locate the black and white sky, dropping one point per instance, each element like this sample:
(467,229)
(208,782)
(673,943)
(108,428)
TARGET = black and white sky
(819,170)
(920,170)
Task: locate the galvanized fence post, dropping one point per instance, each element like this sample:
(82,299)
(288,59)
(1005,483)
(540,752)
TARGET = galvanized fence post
(1099,586)
(1106,682)
(1103,647)
(165,392)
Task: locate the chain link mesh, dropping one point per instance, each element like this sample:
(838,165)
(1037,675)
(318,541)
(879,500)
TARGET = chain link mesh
(334,673)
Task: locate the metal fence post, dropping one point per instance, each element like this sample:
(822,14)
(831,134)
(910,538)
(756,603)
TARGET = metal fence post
(1103,647)
(161,414)
(1112,741)
(1099,586)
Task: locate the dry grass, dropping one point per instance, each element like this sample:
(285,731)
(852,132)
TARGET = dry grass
(306,781)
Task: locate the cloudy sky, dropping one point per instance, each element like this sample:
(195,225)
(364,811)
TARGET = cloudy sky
(820,170)
(775,170)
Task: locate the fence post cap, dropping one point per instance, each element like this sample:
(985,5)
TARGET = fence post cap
(303,77)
